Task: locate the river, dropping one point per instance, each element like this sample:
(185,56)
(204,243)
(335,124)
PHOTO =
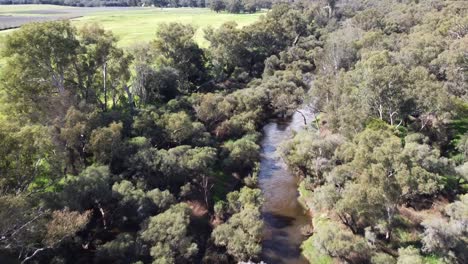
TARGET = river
(282,213)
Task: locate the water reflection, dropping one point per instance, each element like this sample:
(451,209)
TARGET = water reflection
(282,213)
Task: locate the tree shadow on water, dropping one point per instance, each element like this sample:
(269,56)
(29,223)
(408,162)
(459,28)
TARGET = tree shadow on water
(277,221)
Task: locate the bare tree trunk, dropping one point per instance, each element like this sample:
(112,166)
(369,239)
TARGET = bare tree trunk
(303,117)
(206,189)
(103,214)
(33,254)
(104,73)
(114,95)
(380,112)
(391,117)
(129,95)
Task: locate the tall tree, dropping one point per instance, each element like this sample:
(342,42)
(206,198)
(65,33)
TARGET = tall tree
(169,237)
(176,47)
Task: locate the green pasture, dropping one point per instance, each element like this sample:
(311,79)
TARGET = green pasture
(140,25)
(134,25)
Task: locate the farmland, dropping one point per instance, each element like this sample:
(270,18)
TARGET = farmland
(129,24)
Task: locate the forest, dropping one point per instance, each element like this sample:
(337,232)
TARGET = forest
(150,154)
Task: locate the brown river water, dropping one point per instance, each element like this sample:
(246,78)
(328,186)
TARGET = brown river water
(282,213)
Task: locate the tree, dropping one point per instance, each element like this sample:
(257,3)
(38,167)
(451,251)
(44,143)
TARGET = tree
(29,159)
(285,92)
(23,223)
(241,234)
(29,228)
(339,51)
(228,47)
(161,85)
(311,155)
(409,255)
(168,235)
(180,129)
(212,108)
(40,62)
(101,67)
(334,241)
(89,190)
(161,199)
(382,258)
(241,154)
(75,136)
(147,124)
(176,48)
(382,87)
(234,6)
(431,100)
(135,204)
(246,197)
(448,238)
(250,6)
(65,223)
(104,142)
(122,248)
(217,5)
(174,167)
(132,200)
(376,175)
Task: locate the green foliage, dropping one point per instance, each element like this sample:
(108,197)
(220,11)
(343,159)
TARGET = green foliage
(20,211)
(311,253)
(241,234)
(104,142)
(409,255)
(84,191)
(167,233)
(30,161)
(241,154)
(382,258)
(173,167)
(122,248)
(330,239)
(448,237)
(246,197)
(176,49)
(47,52)
(162,199)
(90,128)
(309,154)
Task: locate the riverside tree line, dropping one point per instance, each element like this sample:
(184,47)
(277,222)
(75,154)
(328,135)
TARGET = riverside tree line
(232,6)
(150,155)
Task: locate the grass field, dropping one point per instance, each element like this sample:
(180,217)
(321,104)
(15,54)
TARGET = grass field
(141,25)
(130,24)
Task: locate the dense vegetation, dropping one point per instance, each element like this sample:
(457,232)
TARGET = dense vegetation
(385,168)
(123,156)
(150,155)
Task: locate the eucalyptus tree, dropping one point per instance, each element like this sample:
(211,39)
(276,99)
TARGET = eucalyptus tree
(168,236)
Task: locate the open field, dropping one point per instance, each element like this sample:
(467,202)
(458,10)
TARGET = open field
(141,25)
(130,24)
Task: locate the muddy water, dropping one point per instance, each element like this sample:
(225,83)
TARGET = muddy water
(282,213)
